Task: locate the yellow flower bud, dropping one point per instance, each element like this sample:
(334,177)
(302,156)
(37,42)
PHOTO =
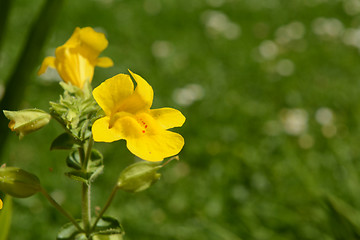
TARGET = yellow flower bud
(26,121)
(18,183)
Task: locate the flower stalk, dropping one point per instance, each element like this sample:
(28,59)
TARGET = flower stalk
(60,209)
(107,205)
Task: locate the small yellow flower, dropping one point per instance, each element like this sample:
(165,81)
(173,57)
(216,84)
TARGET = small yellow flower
(1,204)
(76,59)
(129,117)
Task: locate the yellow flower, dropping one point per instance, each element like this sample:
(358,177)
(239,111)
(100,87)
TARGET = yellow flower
(76,59)
(129,117)
(1,204)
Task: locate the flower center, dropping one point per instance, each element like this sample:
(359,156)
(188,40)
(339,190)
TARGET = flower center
(143,125)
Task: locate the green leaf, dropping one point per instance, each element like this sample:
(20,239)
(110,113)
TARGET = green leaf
(63,142)
(78,176)
(108,237)
(70,232)
(84,129)
(108,228)
(139,176)
(73,160)
(57,108)
(346,217)
(70,88)
(85,177)
(5,218)
(96,160)
(93,175)
(95,167)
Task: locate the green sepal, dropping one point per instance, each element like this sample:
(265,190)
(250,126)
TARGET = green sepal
(57,108)
(27,121)
(73,160)
(18,183)
(63,142)
(139,176)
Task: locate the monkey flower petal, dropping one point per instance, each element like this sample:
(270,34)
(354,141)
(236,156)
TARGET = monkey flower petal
(129,117)
(76,59)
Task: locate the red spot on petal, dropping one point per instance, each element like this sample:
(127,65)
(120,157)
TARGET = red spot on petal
(145,126)
(143,131)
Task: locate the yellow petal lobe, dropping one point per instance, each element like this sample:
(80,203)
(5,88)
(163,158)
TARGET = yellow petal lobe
(104,62)
(93,41)
(111,94)
(143,95)
(156,147)
(103,133)
(48,62)
(168,117)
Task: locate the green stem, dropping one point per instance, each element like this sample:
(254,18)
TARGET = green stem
(88,152)
(86,187)
(86,209)
(61,209)
(107,205)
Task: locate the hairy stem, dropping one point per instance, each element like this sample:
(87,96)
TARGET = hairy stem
(85,155)
(86,207)
(88,152)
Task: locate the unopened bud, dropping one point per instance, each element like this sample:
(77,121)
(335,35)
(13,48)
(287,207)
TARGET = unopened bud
(18,183)
(26,121)
(139,176)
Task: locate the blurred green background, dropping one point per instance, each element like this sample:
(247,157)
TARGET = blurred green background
(270,89)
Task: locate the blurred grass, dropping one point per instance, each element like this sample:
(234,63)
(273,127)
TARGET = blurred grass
(270,89)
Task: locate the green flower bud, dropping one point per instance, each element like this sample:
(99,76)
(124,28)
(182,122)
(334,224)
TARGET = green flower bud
(26,121)
(18,183)
(139,176)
